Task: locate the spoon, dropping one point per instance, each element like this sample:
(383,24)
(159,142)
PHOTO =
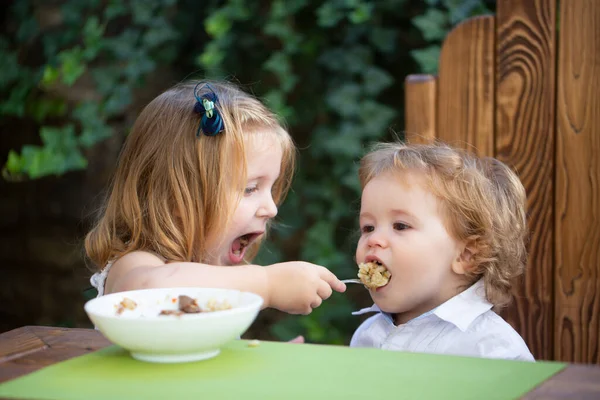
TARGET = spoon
(352,281)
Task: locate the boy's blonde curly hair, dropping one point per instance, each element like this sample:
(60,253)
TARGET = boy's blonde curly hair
(483,203)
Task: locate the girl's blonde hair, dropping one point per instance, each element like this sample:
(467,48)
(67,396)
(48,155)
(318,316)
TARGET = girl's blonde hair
(482,202)
(173,191)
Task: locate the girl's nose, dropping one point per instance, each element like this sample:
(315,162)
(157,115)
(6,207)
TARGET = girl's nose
(268,208)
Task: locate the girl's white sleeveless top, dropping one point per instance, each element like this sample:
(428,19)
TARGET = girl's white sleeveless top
(98,280)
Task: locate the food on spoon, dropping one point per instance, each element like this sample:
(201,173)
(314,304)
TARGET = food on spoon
(373,274)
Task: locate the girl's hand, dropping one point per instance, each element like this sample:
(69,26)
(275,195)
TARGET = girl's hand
(297,287)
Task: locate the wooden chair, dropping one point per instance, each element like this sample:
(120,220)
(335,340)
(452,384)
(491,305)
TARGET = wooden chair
(521,87)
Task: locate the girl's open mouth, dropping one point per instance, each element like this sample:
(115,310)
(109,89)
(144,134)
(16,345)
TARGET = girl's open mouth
(239,246)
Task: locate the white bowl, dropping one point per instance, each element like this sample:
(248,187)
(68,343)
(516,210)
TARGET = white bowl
(169,338)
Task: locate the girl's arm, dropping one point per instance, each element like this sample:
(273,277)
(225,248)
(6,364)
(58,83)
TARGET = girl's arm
(294,287)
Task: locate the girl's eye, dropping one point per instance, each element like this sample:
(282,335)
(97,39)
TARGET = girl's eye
(399,226)
(249,190)
(367,229)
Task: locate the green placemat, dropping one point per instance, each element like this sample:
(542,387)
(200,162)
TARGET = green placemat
(276,370)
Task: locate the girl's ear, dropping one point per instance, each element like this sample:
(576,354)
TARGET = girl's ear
(465,261)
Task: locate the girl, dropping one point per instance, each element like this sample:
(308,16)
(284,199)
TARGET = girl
(450,228)
(199,178)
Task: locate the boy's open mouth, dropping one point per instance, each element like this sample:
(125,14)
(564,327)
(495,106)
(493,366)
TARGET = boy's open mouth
(239,246)
(374,274)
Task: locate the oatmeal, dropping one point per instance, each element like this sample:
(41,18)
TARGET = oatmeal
(215,305)
(188,305)
(373,274)
(176,306)
(125,304)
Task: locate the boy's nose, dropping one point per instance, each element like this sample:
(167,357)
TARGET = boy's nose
(377,239)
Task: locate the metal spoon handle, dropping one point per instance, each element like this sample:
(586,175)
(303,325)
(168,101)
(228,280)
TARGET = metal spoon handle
(352,281)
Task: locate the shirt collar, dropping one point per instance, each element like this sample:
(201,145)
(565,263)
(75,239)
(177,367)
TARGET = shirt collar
(461,310)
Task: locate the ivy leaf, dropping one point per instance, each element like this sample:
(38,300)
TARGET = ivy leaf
(49,76)
(114,9)
(353,59)
(329,15)
(141,11)
(433,24)
(123,45)
(275,100)
(376,118)
(93,128)
(105,78)
(376,80)
(463,9)
(279,64)
(58,138)
(140,63)
(217,24)
(92,37)
(118,100)
(72,65)
(344,100)
(43,107)
(160,34)
(9,65)
(427,58)
(28,29)
(383,39)
(17,98)
(361,14)
(212,56)
(14,164)
(58,155)
(349,178)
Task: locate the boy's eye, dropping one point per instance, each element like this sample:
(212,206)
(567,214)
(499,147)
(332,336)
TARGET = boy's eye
(249,190)
(367,229)
(399,226)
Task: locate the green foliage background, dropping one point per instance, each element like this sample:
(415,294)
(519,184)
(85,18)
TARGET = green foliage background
(333,69)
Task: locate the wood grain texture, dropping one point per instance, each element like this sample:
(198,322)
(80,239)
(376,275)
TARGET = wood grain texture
(18,342)
(525,112)
(574,382)
(58,344)
(465,115)
(420,105)
(577,251)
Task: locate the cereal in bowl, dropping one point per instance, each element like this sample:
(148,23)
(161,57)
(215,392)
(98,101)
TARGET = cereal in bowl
(188,305)
(125,304)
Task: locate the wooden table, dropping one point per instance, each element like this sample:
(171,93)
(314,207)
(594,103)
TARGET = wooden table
(30,348)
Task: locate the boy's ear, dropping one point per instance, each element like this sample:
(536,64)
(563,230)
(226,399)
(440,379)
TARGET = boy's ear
(465,261)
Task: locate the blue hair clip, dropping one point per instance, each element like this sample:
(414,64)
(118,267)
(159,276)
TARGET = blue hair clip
(211,123)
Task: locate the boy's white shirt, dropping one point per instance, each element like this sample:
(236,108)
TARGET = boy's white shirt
(465,325)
